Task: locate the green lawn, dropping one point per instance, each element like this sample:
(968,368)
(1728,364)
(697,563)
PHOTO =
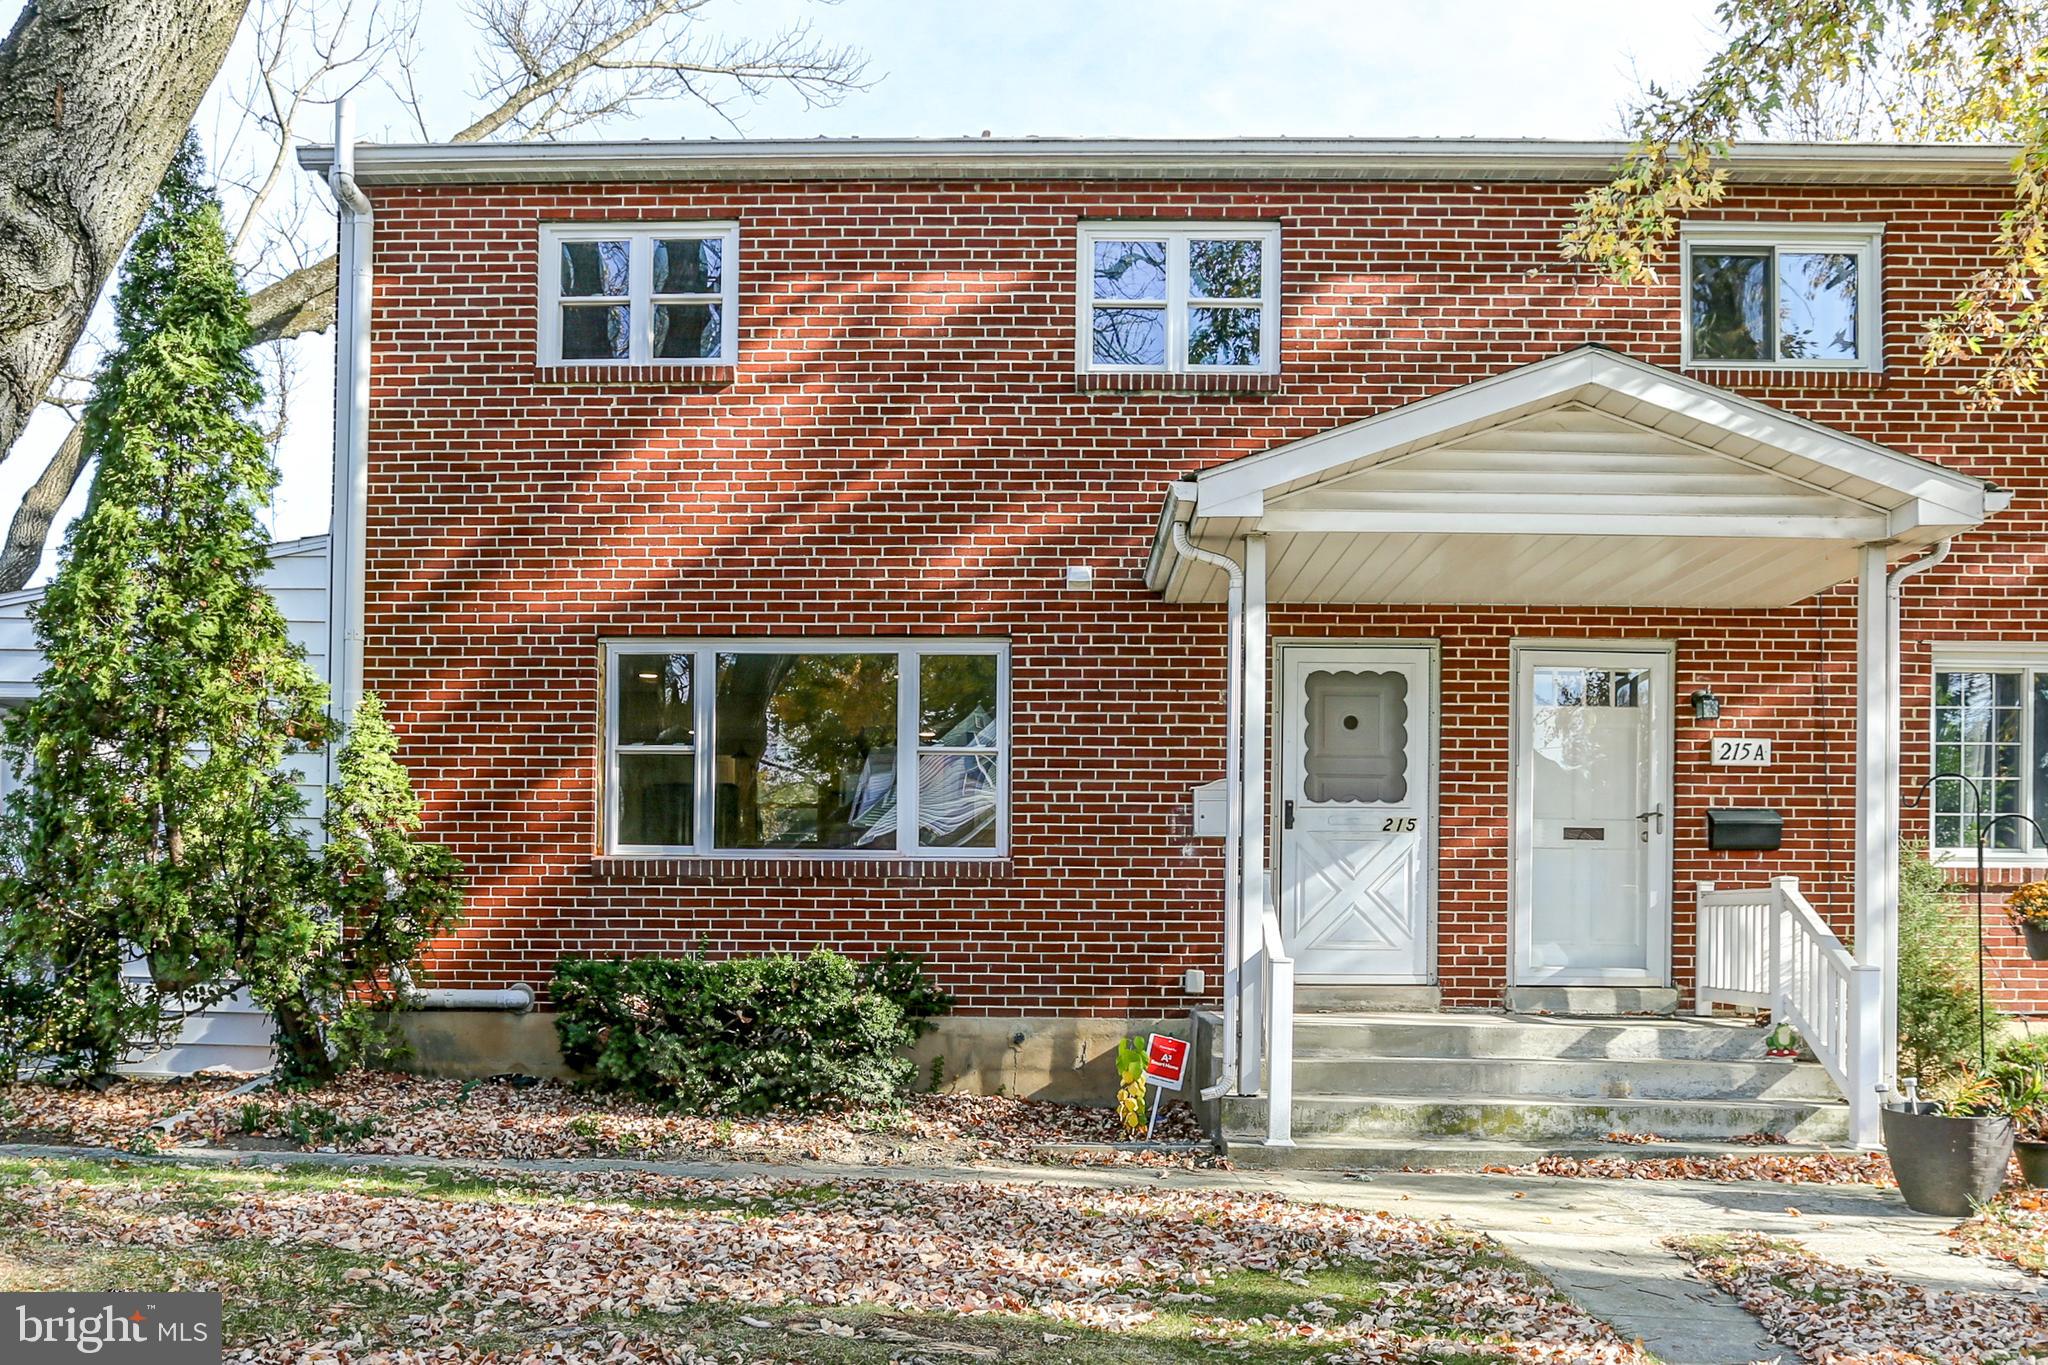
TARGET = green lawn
(813,1271)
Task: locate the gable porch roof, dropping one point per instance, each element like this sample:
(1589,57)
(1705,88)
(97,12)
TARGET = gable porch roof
(1586,479)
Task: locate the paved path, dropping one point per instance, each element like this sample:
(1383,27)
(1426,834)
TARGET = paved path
(1601,1241)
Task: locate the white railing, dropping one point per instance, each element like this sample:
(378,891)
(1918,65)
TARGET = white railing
(1279,1001)
(1766,947)
(1734,959)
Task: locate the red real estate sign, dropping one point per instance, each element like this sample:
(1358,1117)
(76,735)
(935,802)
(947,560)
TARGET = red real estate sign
(1166,1061)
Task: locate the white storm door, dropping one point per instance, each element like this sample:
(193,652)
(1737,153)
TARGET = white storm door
(1356,725)
(1592,817)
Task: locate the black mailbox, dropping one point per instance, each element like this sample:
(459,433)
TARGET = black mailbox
(1745,829)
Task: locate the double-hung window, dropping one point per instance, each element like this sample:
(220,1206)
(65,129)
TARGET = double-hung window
(792,747)
(1991,728)
(1186,298)
(662,295)
(1788,297)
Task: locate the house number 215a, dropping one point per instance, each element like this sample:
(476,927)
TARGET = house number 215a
(1742,752)
(1398,824)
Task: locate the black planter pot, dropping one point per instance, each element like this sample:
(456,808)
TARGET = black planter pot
(1946,1165)
(2033,1162)
(2037,941)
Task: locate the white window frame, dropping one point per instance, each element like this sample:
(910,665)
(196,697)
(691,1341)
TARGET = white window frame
(703,702)
(640,296)
(1865,241)
(1177,235)
(2026,660)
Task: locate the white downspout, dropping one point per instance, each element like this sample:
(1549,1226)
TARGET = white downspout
(1894,593)
(345,545)
(1234,807)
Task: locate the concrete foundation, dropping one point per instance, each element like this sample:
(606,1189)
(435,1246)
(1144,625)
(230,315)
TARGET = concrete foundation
(482,1043)
(1071,1061)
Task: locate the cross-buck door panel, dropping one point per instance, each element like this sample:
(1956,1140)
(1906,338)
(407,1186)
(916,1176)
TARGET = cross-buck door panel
(1357,805)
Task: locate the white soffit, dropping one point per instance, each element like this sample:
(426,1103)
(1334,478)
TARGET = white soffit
(1587,479)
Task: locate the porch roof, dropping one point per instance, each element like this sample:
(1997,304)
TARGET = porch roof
(1587,479)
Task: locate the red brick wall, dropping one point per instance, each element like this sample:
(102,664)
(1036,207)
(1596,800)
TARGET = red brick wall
(904,450)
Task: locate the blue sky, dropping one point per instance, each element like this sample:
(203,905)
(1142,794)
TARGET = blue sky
(1373,68)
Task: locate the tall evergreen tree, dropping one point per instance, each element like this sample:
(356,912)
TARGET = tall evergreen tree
(153,815)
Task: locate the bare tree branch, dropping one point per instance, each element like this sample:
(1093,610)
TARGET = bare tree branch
(23,552)
(558,65)
(300,303)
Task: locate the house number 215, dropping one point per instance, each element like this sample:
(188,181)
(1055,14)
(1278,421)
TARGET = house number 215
(1398,824)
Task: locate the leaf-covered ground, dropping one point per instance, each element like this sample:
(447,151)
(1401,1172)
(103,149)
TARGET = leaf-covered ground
(2013,1228)
(1781,1168)
(378,1269)
(402,1115)
(1841,1315)
(490,1120)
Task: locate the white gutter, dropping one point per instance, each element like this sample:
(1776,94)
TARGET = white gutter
(1234,806)
(356,237)
(1394,159)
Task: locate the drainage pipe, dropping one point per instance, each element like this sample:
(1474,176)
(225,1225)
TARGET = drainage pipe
(514,999)
(1234,809)
(1894,592)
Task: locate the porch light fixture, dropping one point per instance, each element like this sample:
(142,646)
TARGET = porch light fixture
(1705,705)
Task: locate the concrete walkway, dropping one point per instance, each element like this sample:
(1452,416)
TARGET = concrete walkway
(1600,1241)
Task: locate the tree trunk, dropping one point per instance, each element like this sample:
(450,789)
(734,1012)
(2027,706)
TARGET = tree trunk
(39,507)
(94,97)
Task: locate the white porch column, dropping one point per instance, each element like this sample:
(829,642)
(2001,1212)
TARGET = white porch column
(1277,998)
(1877,822)
(1251,731)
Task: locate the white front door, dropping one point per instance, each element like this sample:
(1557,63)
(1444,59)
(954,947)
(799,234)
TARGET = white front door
(1592,791)
(1357,789)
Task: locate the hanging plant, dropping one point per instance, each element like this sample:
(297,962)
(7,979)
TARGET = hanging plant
(2028,907)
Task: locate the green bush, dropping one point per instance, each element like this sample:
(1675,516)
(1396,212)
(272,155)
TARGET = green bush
(1937,974)
(900,976)
(744,1035)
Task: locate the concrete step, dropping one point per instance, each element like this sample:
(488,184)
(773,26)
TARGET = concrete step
(1508,1118)
(1421,1154)
(1583,1000)
(1526,1036)
(1603,1078)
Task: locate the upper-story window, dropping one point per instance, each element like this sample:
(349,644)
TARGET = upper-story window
(644,294)
(1795,297)
(1185,298)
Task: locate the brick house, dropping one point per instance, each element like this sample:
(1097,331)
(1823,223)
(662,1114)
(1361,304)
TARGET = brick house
(1298,587)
